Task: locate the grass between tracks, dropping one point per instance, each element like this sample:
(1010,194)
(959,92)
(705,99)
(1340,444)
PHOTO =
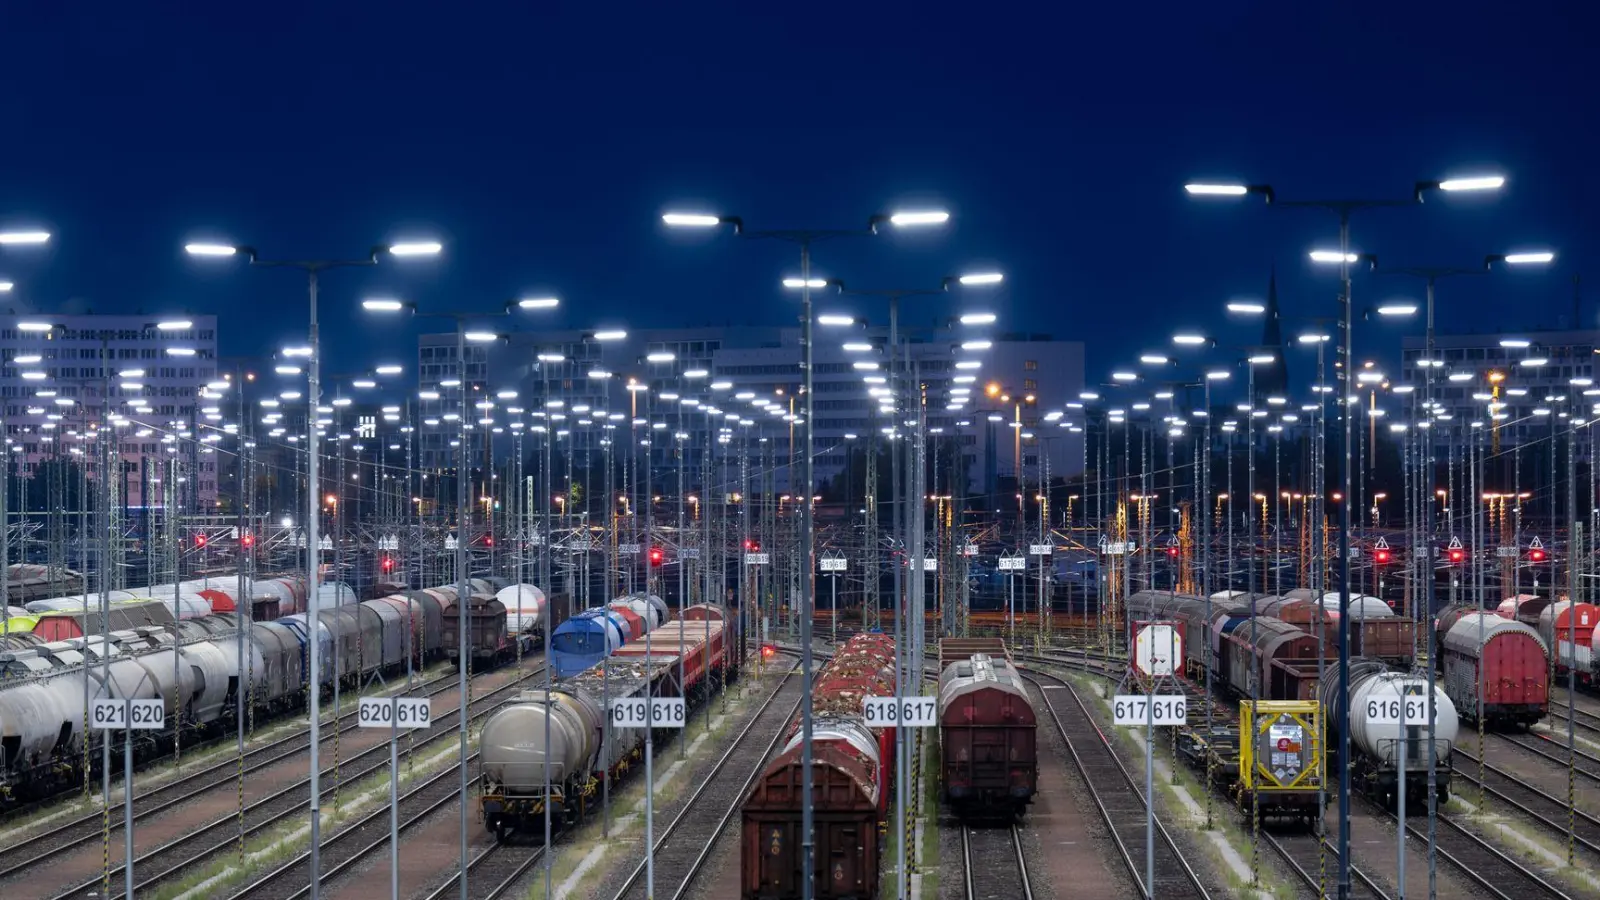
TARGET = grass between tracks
(1178,785)
(159,772)
(266,851)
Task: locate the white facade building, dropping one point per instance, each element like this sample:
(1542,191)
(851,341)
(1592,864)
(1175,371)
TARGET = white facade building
(63,374)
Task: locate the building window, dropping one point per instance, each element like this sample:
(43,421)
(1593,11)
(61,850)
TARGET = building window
(1028,384)
(1031,365)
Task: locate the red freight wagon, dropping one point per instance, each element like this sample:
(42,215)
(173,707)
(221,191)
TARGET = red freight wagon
(850,787)
(988,732)
(63,625)
(1495,668)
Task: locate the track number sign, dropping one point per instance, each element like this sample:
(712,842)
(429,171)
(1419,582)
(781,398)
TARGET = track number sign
(138,715)
(908,712)
(1142,709)
(394,712)
(1388,710)
(634,712)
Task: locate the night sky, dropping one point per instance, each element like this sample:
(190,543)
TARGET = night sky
(541,141)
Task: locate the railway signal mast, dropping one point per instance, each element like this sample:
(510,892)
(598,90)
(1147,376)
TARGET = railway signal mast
(1153,657)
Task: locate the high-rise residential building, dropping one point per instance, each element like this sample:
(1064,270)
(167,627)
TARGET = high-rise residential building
(63,375)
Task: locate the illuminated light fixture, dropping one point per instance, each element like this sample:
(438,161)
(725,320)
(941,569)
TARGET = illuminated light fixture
(382,305)
(1473,183)
(203,249)
(1246,306)
(539,302)
(1397,309)
(805,283)
(1188,340)
(1515,343)
(1218,375)
(835,320)
(389,369)
(1374,377)
(919,217)
(615,335)
(691,220)
(1261,359)
(416,248)
(1313,338)
(1153,359)
(857,347)
(1518,259)
(427,395)
(663,356)
(175,325)
(551,357)
(341,401)
(34,326)
(287,370)
(964,379)
(697,373)
(968,364)
(1124,376)
(1460,376)
(981,278)
(125,373)
(1533,362)
(978,319)
(506,394)
(1333,256)
(31,358)
(181,351)
(721,385)
(1217,190)
(481,337)
(297,351)
(976,345)
(34,376)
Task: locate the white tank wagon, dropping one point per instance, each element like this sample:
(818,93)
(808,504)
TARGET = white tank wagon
(513,747)
(1376,748)
(527,609)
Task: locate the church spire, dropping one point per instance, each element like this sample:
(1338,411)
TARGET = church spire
(1273,380)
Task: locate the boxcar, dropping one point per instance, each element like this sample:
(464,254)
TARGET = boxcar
(1496,668)
(988,734)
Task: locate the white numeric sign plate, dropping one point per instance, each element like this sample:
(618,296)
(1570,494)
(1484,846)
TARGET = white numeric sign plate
(391,712)
(147,715)
(1387,710)
(1136,709)
(909,712)
(633,712)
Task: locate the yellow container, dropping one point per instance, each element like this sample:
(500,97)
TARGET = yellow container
(1280,746)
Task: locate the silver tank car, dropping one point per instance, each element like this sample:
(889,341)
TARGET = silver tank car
(1376,748)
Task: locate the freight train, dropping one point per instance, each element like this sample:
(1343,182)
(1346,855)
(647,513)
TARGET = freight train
(562,736)
(581,642)
(1567,627)
(43,680)
(988,732)
(852,775)
(1256,656)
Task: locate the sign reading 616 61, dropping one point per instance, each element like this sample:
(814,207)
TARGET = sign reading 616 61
(904,712)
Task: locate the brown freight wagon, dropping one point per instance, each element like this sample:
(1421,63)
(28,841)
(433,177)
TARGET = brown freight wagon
(845,815)
(988,734)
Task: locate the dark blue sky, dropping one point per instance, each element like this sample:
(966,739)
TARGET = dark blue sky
(540,141)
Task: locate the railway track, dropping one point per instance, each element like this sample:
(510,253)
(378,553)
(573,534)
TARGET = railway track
(1585,721)
(1585,764)
(686,843)
(1547,811)
(1002,872)
(343,853)
(15,858)
(497,869)
(1123,811)
(1305,854)
(1482,863)
(177,858)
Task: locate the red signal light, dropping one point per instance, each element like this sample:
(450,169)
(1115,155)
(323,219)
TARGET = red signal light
(1536,555)
(752,544)
(656,556)
(768,651)
(1380,556)
(199,540)
(1172,552)
(388,563)
(1457,555)
(488,541)
(249,540)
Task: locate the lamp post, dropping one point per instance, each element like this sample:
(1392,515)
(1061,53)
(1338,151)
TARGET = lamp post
(463,513)
(804,238)
(1343,257)
(9,238)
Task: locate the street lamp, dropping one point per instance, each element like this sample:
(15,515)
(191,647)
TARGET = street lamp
(804,237)
(313,268)
(1344,209)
